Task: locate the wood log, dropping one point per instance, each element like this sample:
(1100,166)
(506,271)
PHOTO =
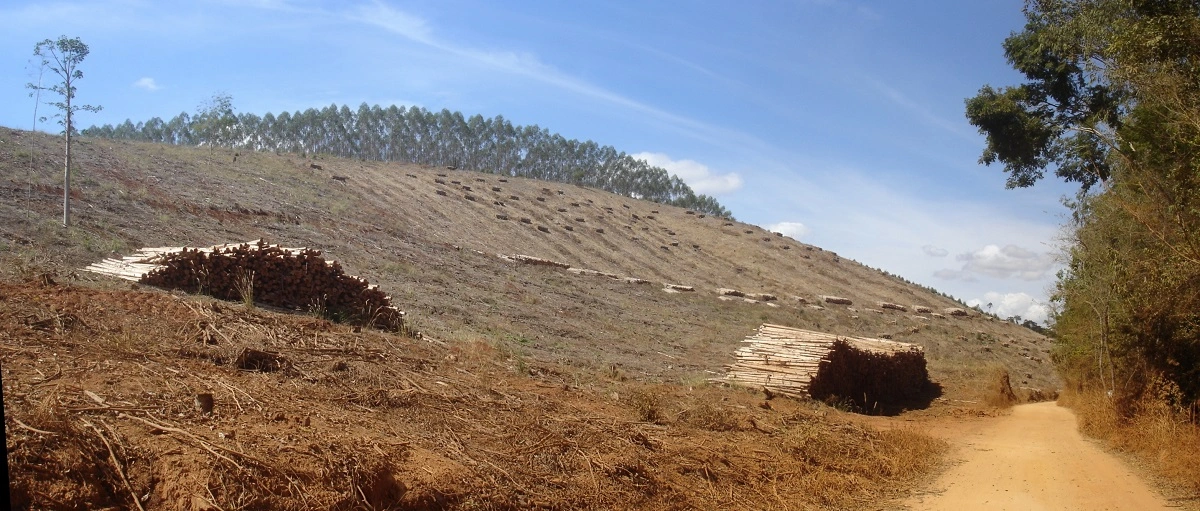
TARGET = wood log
(294,278)
(837,300)
(790,359)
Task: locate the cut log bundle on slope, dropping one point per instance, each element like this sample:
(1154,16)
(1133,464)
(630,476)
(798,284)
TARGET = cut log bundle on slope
(870,373)
(292,278)
(521,258)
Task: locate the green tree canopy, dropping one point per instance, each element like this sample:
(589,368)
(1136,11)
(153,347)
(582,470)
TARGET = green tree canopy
(215,124)
(1112,97)
(421,136)
(1063,117)
(63,56)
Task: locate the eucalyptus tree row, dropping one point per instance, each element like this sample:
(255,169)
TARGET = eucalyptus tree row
(417,135)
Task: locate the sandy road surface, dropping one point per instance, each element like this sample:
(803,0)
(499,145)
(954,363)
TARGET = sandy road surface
(1031,460)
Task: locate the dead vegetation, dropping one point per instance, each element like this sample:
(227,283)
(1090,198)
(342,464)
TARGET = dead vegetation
(533,388)
(1160,435)
(104,410)
(437,256)
(1000,392)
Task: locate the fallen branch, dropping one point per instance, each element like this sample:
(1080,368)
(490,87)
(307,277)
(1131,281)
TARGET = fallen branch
(112,456)
(195,438)
(31,428)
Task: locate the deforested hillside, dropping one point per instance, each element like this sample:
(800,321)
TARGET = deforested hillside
(571,347)
(434,239)
(416,135)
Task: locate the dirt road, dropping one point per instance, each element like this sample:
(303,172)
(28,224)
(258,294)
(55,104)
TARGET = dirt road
(1034,459)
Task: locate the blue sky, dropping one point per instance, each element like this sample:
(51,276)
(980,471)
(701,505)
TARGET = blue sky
(837,122)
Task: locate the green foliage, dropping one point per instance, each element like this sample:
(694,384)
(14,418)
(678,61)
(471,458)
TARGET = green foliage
(1061,117)
(63,58)
(1113,97)
(214,125)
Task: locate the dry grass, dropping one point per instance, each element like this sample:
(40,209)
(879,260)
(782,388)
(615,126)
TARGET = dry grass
(997,389)
(1151,431)
(436,255)
(368,420)
(709,416)
(865,458)
(545,389)
(243,283)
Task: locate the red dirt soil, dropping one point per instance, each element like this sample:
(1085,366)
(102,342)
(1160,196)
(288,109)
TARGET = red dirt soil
(99,388)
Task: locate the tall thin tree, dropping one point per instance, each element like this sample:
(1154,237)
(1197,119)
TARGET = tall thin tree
(63,57)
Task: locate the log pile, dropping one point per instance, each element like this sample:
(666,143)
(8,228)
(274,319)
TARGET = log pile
(593,273)
(678,287)
(870,373)
(521,258)
(893,306)
(291,278)
(730,292)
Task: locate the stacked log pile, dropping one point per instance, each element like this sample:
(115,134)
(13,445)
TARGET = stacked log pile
(678,287)
(520,258)
(594,273)
(292,278)
(883,378)
(870,373)
(893,306)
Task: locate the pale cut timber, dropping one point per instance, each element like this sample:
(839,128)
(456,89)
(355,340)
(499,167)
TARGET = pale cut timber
(785,359)
(145,260)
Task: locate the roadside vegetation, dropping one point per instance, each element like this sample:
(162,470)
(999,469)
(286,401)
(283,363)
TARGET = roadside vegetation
(1112,102)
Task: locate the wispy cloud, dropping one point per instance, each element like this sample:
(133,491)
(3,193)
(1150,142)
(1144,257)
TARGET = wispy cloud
(857,8)
(395,21)
(697,175)
(933,251)
(417,29)
(921,111)
(868,13)
(147,83)
(949,274)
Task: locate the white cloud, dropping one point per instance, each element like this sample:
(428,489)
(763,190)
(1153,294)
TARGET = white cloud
(147,83)
(1007,305)
(793,230)
(933,251)
(697,175)
(1008,262)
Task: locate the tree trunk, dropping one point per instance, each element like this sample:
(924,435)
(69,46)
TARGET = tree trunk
(67,166)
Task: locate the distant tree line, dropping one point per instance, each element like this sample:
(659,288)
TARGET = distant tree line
(417,135)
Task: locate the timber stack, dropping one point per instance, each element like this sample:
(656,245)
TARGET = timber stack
(291,278)
(870,373)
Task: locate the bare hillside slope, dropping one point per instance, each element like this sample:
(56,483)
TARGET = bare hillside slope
(431,238)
